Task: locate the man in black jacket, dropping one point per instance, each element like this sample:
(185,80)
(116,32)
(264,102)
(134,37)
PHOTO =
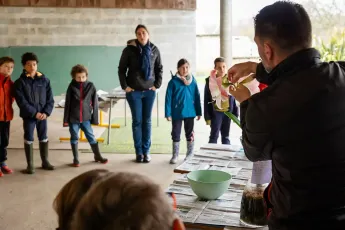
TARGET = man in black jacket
(298,122)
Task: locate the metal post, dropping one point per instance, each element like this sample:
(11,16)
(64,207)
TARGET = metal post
(157,109)
(226,30)
(109,123)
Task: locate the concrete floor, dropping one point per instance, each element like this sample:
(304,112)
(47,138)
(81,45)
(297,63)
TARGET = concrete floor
(26,200)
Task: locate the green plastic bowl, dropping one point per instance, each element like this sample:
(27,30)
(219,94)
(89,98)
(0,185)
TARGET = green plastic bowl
(209,184)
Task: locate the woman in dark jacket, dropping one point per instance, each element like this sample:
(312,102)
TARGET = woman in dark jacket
(140,73)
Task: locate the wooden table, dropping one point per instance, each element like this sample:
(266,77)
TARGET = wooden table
(219,159)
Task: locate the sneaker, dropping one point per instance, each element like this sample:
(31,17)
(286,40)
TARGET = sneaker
(5,169)
(147,158)
(1,174)
(139,158)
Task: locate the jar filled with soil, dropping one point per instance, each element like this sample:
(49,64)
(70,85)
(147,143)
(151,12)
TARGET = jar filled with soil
(253,207)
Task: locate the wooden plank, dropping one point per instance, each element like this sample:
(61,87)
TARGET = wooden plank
(108,3)
(130,4)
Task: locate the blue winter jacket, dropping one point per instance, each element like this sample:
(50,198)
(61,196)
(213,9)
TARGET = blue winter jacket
(182,101)
(33,95)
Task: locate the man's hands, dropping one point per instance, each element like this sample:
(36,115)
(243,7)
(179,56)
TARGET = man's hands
(153,88)
(241,70)
(168,118)
(41,116)
(240,93)
(198,118)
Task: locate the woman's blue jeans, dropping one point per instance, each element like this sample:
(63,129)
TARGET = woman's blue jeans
(141,103)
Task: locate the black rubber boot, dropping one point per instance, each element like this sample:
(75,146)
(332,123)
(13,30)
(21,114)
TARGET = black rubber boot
(29,154)
(97,154)
(44,156)
(75,155)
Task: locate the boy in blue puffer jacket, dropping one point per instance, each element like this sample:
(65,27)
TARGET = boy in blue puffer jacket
(182,104)
(35,100)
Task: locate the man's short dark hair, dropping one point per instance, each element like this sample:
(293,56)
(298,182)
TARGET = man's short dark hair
(286,23)
(29,57)
(218,59)
(6,59)
(78,69)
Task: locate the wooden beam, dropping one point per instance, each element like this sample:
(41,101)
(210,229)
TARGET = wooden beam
(129,4)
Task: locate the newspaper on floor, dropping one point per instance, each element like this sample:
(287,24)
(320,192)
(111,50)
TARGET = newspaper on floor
(188,215)
(232,171)
(215,154)
(186,201)
(244,174)
(220,218)
(187,190)
(221,147)
(189,167)
(209,161)
(224,205)
(240,164)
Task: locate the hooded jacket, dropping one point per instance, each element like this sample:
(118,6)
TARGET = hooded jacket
(6,98)
(81,103)
(130,73)
(181,100)
(33,95)
(298,122)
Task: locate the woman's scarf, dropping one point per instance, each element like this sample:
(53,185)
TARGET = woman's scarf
(146,52)
(186,80)
(218,91)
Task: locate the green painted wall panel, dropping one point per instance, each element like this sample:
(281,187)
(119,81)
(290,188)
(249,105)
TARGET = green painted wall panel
(56,63)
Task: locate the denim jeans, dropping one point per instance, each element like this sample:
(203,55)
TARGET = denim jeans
(29,125)
(141,103)
(220,123)
(86,128)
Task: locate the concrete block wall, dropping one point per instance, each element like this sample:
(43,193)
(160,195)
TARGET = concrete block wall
(173,31)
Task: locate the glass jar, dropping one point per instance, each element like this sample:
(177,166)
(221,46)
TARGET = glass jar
(253,207)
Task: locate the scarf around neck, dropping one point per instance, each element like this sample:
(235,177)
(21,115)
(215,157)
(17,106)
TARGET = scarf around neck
(186,80)
(145,56)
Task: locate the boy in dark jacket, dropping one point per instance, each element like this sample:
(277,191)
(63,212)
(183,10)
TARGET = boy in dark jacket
(35,100)
(6,110)
(81,110)
(214,107)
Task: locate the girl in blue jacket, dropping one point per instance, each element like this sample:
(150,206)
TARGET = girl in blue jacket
(182,104)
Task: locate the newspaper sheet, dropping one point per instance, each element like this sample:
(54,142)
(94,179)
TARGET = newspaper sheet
(225,205)
(215,154)
(189,167)
(241,164)
(181,179)
(190,201)
(209,161)
(188,215)
(232,171)
(187,190)
(244,174)
(237,183)
(181,189)
(221,147)
(213,217)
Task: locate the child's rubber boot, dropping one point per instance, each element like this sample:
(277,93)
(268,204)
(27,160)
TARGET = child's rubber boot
(29,153)
(75,155)
(97,154)
(190,150)
(175,153)
(44,156)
